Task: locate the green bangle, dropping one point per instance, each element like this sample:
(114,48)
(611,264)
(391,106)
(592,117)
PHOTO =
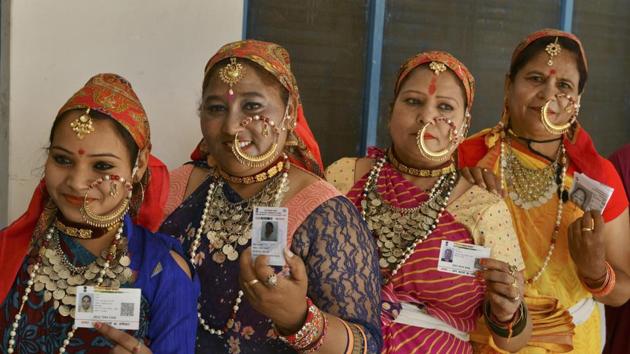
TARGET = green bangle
(501,330)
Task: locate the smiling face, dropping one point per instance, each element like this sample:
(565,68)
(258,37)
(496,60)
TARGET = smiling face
(256,93)
(73,164)
(533,85)
(423,97)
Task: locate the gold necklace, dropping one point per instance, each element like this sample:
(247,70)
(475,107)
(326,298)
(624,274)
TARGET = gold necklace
(270,195)
(529,187)
(400,230)
(44,271)
(417,172)
(227,225)
(561,199)
(83,233)
(259,177)
(59,277)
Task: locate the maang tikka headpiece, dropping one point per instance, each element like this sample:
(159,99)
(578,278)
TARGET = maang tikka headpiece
(437,67)
(83,126)
(553,49)
(232,73)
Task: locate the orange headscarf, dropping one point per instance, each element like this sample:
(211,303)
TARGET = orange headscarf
(275,59)
(112,95)
(456,66)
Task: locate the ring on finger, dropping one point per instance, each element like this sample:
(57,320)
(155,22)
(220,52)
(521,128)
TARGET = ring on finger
(589,228)
(252,282)
(272,280)
(513,270)
(138,346)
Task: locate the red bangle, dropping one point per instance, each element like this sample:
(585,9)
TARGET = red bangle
(608,285)
(310,337)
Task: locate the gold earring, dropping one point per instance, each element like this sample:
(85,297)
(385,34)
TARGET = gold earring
(83,125)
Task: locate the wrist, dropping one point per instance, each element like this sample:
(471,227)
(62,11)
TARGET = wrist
(601,287)
(504,320)
(310,336)
(513,327)
(595,275)
(286,328)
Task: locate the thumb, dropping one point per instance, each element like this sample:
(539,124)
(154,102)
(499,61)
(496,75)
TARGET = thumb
(296,266)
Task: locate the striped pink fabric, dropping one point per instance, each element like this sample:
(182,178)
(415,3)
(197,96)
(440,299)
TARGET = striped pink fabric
(454,299)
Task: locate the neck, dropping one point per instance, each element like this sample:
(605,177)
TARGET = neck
(546,146)
(444,168)
(548,150)
(248,186)
(98,245)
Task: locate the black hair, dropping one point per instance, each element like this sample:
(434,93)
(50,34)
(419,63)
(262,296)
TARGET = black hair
(130,144)
(539,45)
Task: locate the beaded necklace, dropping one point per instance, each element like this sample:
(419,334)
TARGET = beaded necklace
(43,258)
(215,194)
(562,196)
(402,228)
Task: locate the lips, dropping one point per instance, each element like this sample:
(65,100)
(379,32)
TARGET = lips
(428,136)
(243,145)
(74,200)
(537,110)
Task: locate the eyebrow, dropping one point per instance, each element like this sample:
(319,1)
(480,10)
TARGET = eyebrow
(55,147)
(423,93)
(247,94)
(448,98)
(414,91)
(543,74)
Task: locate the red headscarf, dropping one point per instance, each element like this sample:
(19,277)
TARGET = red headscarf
(112,95)
(275,59)
(456,66)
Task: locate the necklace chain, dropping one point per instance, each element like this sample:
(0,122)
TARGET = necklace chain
(270,195)
(559,187)
(37,273)
(400,230)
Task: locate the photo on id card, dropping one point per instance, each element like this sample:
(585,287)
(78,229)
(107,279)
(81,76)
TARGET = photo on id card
(269,233)
(461,258)
(119,308)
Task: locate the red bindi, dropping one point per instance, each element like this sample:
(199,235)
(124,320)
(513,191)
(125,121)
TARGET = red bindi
(81,152)
(432,87)
(552,72)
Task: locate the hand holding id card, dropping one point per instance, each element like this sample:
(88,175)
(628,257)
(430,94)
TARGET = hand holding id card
(461,258)
(589,194)
(269,233)
(119,308)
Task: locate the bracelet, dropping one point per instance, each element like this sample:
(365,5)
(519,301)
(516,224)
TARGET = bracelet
(610,279)
(356,342)
(310,337)
(510,329)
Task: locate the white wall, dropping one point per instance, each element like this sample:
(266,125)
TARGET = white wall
(160,46)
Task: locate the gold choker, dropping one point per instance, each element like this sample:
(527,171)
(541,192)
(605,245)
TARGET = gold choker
(416,171)
(280,166)
(84,233)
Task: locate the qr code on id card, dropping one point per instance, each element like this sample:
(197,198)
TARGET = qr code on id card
(126,309)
